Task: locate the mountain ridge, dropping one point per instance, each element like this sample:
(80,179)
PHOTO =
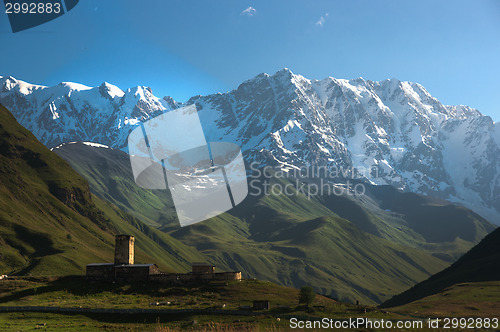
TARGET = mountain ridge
(386,132)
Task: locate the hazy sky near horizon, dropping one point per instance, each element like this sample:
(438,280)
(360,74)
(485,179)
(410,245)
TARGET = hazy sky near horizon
(184,48)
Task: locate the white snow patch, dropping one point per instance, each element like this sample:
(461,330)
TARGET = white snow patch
(61,145)
(131,122)
(53,108)
(76,86)
(113,90)
(92,144)
(96,145)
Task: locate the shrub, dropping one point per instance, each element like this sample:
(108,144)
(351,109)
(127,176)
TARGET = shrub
(306,295)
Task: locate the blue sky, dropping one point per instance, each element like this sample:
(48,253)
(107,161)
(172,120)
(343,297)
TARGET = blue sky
(184,48)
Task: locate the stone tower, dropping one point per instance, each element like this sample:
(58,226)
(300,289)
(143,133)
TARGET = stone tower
(124,249)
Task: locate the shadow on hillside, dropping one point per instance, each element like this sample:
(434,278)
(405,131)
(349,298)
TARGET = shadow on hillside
(33,245)
(50,286)
(79,286)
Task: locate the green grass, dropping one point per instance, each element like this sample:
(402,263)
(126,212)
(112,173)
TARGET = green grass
(329,253)
(478,265)
(462,300)
(96,322)
(48,221)
(474,299)
(75,292)
(152,245)
(110,177)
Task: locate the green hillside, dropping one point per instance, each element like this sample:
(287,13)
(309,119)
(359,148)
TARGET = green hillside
(110,177)
(330,253)
(480,264)
(49,222)
(168,253)
(470,299)
(445,229)
(351,248)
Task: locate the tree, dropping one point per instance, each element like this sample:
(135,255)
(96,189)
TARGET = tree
(306,295)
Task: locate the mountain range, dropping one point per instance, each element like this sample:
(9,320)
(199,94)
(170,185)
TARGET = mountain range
(413,155)
(351,248)
(363,248)
(387,132)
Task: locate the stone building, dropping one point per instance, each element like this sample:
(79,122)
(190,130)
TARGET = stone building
(100,271)
(198,268)
(124,269)
(261,305)
(135,272)
(201,272)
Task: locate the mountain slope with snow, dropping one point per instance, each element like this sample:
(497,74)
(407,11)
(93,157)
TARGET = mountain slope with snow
(387,132)
(74,112)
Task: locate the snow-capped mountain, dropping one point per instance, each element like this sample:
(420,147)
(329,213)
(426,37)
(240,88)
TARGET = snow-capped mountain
(74,112)
(389,132)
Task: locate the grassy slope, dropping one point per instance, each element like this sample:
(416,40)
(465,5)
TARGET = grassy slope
(49,223)
(265,235)
(270,237)
(168,253)
(480,264)
(436,220)
(471,299)
(110,177)
(408,219)
(330,253)
(75,292)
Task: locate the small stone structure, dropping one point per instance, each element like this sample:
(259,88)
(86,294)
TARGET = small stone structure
(100,271)
(135,272)
(261,305)
(124,269)
(203,268)
(191,278)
